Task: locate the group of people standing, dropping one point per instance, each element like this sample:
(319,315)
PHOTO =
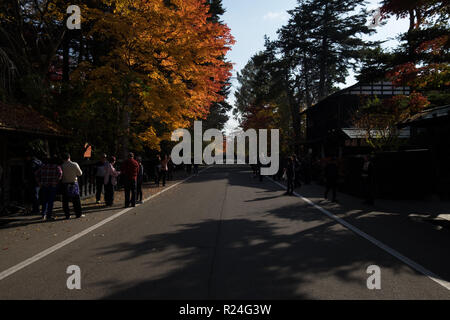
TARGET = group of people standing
(293,171)
(131,174)
(55,175)
(367,179)
(106,178)
(52,177)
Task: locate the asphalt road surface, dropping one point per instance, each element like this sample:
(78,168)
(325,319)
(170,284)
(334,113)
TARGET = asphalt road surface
(221,235)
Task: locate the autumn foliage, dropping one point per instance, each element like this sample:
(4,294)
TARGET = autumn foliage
(133,73)
(165,68)
(427,44)
(422,65)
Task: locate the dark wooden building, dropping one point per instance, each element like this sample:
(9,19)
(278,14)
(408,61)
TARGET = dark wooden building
(329,122)
(20,128)
(430,130)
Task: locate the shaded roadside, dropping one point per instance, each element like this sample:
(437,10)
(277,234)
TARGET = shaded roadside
(417,229)
(24,236)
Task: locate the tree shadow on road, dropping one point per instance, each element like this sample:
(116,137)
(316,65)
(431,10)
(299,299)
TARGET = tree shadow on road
(252,260)
(264,198)
(289,252)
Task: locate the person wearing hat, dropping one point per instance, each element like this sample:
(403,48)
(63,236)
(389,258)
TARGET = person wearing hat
(130,171)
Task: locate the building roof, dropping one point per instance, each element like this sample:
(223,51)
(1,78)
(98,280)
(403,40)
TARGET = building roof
(427,116)
(368,89)
(20,118)
(376,88)
(356,133)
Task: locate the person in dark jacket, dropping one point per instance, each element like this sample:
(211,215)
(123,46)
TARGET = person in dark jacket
(298,168)
(290,175)
(130,171)
(171,167)
(157,170)
(140,180)
(258,170)
(331,178)
(164,169)
(31,166)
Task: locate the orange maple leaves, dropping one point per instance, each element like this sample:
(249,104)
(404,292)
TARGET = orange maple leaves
(166,64)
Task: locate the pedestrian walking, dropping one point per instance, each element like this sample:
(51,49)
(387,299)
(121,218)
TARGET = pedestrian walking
(331,178)
(100,170)
(140,180)
(158,170)
(130,170)
(298,169)
(31,166)
(71,191)
(48,177)
(367,176)
(171,167)
(290,175)
(258,170)
(164,169)
(110,181)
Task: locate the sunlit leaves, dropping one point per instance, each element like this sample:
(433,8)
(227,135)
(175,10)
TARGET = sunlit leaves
(165,65)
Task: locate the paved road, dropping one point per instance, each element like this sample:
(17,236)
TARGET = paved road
(221,235)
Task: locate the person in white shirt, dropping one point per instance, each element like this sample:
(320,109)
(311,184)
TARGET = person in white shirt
(71,191)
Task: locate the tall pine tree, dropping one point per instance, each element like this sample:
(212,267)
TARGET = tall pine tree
(326,34)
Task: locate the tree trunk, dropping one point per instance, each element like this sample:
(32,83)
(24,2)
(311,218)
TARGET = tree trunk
(411,20)
(296,123)
(323,60)
(125,138)
(412,25)
(308,94)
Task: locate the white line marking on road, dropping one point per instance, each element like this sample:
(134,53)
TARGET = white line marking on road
(40,255)
(379,244)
